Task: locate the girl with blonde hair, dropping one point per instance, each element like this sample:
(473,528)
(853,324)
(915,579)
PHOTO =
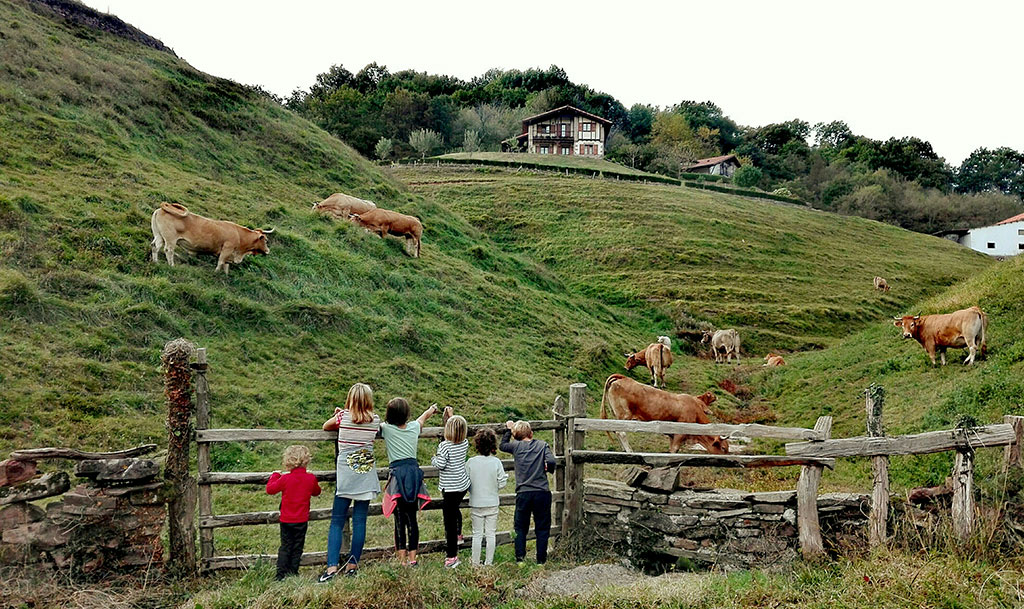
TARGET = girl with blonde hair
(450,462)
(357,484)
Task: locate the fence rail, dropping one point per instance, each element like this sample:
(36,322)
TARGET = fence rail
(999,434)
(205,436)
(753,430)
(695,460)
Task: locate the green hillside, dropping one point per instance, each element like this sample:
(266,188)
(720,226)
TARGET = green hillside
(553,161)
(788,277)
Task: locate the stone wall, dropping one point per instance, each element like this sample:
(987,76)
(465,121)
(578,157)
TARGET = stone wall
(650,517)
(109,523)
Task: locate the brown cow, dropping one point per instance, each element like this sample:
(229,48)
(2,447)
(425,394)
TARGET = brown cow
(634,401)
(386,222)
(963,328)
(772,360)
(657,357)
(341,205)
(881,284)
(173,222)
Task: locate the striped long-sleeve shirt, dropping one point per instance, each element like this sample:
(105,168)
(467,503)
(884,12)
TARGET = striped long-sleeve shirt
(450,462)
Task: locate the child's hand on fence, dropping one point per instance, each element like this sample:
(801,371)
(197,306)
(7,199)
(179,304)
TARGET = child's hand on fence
(508,424)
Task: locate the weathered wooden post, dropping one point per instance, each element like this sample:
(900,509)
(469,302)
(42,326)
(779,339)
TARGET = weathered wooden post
(811,545)
(574,471)
(560,411)
(963,489)
(879,515)
(1011,453)
(206,548)
(181,508)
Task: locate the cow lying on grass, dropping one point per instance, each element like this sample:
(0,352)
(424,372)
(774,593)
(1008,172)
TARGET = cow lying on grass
(173,222)
(385,222)
(633,401)
(341,205)
(772,360)
(963,328)
(657,357)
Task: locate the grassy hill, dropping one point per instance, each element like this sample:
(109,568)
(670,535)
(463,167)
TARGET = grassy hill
(786,276)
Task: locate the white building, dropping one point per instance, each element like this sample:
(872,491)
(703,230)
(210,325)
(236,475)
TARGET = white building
(1004,238)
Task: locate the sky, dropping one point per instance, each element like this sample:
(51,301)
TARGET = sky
(942,71)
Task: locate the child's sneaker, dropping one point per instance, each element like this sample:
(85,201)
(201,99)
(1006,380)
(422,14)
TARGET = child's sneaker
(451,563)
(326,576)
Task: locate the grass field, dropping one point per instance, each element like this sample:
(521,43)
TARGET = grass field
(528,281)
(555,161)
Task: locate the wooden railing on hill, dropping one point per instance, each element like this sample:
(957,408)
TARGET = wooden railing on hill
(814,451)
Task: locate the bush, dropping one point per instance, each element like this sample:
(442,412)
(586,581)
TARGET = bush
(747,176)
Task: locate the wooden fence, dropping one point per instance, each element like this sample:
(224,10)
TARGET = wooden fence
(814,452)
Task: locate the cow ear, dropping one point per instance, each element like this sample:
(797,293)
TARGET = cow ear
(897,322)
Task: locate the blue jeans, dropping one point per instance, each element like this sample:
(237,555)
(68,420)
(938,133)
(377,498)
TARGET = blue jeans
(339,514)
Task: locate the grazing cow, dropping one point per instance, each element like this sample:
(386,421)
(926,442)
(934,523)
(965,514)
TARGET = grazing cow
(963,328)
(633,401)
(385,222)
(342,206)
(772,360)
(723,343)
(881,284)
(657,357)
(173,222)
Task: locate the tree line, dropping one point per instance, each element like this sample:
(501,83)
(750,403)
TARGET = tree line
(901,181)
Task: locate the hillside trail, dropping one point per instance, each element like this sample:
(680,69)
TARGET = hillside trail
(615,581)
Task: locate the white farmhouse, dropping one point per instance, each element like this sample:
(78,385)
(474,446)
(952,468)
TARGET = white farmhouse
(1004,238)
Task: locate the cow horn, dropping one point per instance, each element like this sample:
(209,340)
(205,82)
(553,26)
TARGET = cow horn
(917,316)
(897,318)
(266,231)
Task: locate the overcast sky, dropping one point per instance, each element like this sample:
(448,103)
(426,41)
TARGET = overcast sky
(947,72)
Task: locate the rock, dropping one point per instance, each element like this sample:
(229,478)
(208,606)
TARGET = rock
(771,497)
(932,494)
(608,488)
(44,535)
(610,501)
(729,513)
(600,508)
(747,532)
(769,508)
(15,515)
(13,471)
(87,501)
(633,475)
(117,470)
(790,516)
(46,485)
(661,479)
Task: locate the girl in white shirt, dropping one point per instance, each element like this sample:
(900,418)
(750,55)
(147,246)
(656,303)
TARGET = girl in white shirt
(486,475)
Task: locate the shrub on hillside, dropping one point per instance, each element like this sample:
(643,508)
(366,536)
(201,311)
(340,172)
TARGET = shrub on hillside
(747,177)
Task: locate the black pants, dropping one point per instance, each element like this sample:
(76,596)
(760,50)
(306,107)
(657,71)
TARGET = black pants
(452,521)
(407,530)
(293,539)
(538,504)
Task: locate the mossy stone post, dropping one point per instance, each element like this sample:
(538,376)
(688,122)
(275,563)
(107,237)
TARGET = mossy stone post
(181,486)
(879,515)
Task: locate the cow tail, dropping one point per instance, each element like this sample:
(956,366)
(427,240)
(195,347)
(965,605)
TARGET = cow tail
(661,360)
(604,394)
(984,323)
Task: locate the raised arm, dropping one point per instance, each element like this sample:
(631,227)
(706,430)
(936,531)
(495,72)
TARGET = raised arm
(507,443)
(429,412)
(333,423)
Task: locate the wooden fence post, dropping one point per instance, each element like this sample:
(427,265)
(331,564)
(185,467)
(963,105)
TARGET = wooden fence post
(574,471)
(560,411)
(206,547)
(181,506)
(811,545)
(879,515)
(1011,452)
(963,493)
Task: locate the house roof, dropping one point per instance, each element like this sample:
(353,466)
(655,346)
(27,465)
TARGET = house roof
(1017,218)
(542,115)
(715,160)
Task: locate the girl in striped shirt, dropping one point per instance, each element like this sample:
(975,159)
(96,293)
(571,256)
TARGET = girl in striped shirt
(357,484)
(450,462)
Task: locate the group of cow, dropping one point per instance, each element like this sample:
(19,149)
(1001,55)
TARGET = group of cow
(173,223)
(631,400)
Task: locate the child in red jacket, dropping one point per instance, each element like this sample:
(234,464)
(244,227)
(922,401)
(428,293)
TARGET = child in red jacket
(296,487)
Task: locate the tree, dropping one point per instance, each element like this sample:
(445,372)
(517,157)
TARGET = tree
(425,141)
(747,176)
(987,170)
(471,141)
(383,148)
(832,135)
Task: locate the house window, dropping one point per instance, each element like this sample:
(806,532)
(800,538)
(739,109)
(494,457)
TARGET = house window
(1020,246)
(1020,231)
(566,150)
(564,129)
(586,126)
(543,149)
(547,128)
(991,245)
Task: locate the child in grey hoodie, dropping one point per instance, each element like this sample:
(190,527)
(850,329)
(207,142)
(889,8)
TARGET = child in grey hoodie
(533,461)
